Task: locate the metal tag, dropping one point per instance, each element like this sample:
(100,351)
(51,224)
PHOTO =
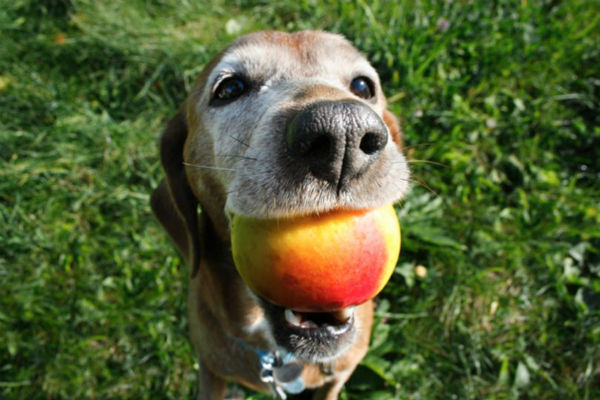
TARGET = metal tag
(287,373)
(294,387)
(282,373)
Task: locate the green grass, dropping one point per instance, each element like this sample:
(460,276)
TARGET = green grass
(500,103)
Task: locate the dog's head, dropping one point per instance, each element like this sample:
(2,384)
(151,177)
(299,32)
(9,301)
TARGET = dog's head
(282,125)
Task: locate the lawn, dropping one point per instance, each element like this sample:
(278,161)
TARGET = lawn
(497,291)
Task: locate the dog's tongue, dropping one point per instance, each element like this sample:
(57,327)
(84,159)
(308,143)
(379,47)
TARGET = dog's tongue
(317,263)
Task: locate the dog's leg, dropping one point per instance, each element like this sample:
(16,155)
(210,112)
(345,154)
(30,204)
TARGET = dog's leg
(331,390)
(210,386)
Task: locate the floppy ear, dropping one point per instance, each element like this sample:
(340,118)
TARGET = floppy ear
(392,123)
(172,201)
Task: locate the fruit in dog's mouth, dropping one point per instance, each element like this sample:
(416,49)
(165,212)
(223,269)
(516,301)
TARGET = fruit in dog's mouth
(317,263)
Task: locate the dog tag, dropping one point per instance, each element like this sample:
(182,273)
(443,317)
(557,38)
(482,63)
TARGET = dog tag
(294,387)
(287,373)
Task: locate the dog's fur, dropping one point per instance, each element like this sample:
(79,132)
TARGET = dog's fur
(230,157)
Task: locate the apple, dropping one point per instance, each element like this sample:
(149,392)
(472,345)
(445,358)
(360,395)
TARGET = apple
(317,263)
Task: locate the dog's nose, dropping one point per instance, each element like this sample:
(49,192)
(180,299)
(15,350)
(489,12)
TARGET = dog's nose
(337,140)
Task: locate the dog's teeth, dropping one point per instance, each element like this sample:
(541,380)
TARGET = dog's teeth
(345,313)
(292,318)
(308,324)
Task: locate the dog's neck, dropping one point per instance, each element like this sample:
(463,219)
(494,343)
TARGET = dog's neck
(226,295)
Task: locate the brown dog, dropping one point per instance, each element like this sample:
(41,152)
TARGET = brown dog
(277,125)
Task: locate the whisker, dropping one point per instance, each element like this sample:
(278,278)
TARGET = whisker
(232,192)
(419,181)
(238,156)
(417,161)
(239,141)
(208,167)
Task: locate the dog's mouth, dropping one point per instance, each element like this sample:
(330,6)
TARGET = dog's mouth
(312,336)
(335,323)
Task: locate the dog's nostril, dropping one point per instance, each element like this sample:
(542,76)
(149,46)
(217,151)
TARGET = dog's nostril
(320,147)
(371,143)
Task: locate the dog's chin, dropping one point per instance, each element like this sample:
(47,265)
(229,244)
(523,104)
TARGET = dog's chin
(312,337)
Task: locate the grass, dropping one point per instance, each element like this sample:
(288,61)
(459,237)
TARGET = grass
(500,103)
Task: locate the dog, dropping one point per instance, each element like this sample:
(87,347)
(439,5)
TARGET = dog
(277,125)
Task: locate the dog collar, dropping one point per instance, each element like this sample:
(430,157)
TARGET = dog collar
(280,369)
(282,372)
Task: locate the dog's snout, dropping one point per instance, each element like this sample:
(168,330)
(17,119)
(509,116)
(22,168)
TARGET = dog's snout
(336,140)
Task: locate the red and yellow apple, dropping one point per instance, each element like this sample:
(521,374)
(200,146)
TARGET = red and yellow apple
(317,263)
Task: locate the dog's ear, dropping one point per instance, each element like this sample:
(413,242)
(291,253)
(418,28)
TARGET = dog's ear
(172,201)
(392,123)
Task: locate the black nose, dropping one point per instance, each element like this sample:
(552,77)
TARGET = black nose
(337,140)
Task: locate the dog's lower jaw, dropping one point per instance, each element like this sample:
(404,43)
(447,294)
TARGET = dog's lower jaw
(315,349)
(313,343)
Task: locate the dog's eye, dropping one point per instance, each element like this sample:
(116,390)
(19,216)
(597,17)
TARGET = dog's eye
(228,90)
(362,87)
